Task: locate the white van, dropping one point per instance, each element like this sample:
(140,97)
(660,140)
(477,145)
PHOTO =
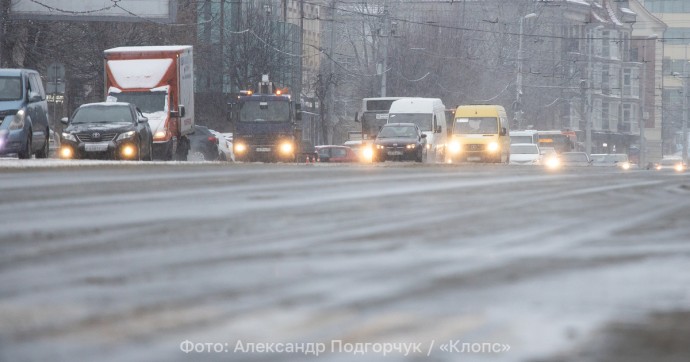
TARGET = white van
(430,115)
(528,136)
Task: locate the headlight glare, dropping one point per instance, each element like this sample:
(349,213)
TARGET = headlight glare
(493,147)
(454,147)
(368,153)
(66,152)
(553,162)
(240,147)
(128,151)
(286,147)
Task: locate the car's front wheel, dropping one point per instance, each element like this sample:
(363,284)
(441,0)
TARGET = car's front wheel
(26,152)
(45,149)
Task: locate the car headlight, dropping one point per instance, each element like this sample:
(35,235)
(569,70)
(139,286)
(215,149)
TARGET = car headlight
(69,137)
(161,135)
(411,146)
(66,152)
(380,147)
(286,147)
(454,147)
(625,165)
(679,167)
(368,153)
(126,135)
(128,151)
(240,147)
(18,121)
(493,147)
(553,162)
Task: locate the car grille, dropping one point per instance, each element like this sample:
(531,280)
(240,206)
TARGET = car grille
(89,137)
(472,147)
(263,140)
(395,148)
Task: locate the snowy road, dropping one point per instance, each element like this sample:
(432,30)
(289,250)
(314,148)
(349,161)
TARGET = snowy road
(126,262)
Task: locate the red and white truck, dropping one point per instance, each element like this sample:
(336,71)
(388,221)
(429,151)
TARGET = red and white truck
(160,81)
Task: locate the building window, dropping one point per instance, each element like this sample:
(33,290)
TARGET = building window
(605,77)
(629,123)
(605,115)
(605,44)
(631,83)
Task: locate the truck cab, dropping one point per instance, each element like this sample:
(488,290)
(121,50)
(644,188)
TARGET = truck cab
(265,126)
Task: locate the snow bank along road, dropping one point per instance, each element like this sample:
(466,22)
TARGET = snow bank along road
(195,262)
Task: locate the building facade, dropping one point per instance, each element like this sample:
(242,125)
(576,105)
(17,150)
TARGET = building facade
(676,70)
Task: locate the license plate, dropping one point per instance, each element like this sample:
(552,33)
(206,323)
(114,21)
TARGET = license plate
(96,147)
(474,158)
(395,153)
(263,149)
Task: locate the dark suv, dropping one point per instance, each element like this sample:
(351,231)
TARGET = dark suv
(110,130)
(400,141)
(24,123)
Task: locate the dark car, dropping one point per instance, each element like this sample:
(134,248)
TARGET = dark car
(575,159)
(24,129)
(400,141)
(333,153)
(108,130)
(204,145)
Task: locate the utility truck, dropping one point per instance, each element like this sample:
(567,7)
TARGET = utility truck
(159,80)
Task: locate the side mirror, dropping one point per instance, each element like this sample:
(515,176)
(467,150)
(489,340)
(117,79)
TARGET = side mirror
(64,120)
(356,117)
(439,129)
(179,113)
(504,131)
(143,120)
(423,135)
(34,97)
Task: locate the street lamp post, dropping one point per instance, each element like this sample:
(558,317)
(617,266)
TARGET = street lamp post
(590,85)
(685,108)
(518,81)
(642,120)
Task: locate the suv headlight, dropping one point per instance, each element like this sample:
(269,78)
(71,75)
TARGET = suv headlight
(18,121)
(286,147)
(493,147)
(126,135)
(69,137)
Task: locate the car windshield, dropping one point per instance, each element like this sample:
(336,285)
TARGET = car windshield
(476,125)
(524,149)
(422,120)
(265,111)
(103,114)
(397,132)
(10,88)
(147,102)
(574,157)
